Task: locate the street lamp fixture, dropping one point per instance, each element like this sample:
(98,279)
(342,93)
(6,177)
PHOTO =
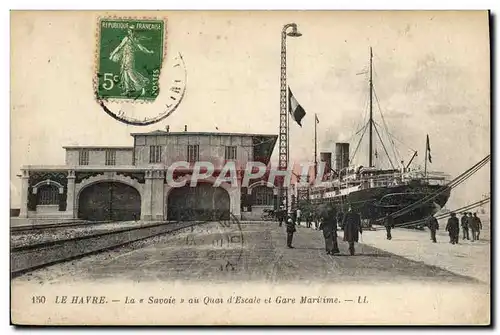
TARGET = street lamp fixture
(294,32)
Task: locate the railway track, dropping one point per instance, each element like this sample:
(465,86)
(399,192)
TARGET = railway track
(28,258)
(58,225)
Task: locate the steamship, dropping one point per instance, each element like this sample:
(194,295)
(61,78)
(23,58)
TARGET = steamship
(373,191)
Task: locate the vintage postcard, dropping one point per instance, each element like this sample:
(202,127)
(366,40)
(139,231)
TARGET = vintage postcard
(250,168)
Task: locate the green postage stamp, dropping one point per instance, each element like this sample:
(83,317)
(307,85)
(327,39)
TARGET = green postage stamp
(130,58)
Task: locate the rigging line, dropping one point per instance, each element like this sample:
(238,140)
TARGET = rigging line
(445,215)
(383,146)
(385,123)
(361,121)
(431,197)
(365,103)
(359,142)
(397,139)
(357,133)
(416,223)
(452,184)
(391,142)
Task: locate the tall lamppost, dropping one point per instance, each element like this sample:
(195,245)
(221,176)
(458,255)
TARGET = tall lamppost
(284,116)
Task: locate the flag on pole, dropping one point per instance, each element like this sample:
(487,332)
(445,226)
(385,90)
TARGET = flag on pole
(429,149)
(317,120)
(295,109)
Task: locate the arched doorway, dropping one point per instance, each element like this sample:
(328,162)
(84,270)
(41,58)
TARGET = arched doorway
(203,202)
(109,201)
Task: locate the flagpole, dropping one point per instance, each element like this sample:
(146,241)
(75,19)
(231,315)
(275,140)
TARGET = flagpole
(425,165)
(315,146)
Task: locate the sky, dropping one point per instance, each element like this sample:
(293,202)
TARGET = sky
(431,76)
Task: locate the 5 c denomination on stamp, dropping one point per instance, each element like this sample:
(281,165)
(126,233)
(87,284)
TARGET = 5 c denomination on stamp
(130,58)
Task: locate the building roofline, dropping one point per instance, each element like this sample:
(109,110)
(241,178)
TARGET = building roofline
(162,132)
(97,147)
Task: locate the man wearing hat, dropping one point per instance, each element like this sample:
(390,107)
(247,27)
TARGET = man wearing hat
(352,228)
(433,226)
(290,229)
(453,228)
(389,224)
(477,224)
(329,228)
(465,225)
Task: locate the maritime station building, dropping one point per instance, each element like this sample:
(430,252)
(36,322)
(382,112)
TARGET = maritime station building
(129,183)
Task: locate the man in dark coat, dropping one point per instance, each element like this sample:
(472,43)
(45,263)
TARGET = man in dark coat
(290,229)
(473,226)
(453,228)
(465,226)
(352,228)
(340,219)
(478,225)
(433,225)
(281,216)
(389,224)
(329,227)
(308,217)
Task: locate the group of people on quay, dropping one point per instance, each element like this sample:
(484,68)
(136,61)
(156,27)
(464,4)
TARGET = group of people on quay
(329,219)
(468,222)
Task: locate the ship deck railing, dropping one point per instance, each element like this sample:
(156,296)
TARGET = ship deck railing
(387,180)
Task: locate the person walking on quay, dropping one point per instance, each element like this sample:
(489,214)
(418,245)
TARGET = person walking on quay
(479,225)
(306,213)
(281,216)
(340,218)
(298,214)
(389,224)
(352,228)
(290,229)
(433,225)
(452,228)
(465,226)
(317,219)
(329,227)
(472,225)
(314,218)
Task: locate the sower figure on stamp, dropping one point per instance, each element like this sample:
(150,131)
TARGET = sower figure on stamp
(329,227)
(433,226)
(352,228)
(452,228)
(131,80)
(465,226)
(389,224)
(290,229)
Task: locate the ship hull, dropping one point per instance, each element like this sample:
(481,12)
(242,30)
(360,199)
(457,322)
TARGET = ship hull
(376,203)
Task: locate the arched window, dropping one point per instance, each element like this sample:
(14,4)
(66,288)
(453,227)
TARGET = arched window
(263,196)
(48,195)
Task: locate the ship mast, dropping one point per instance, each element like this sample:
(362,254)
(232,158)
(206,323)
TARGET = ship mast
(370,155)
(371,124)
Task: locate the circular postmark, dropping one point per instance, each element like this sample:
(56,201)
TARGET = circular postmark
(135,83)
